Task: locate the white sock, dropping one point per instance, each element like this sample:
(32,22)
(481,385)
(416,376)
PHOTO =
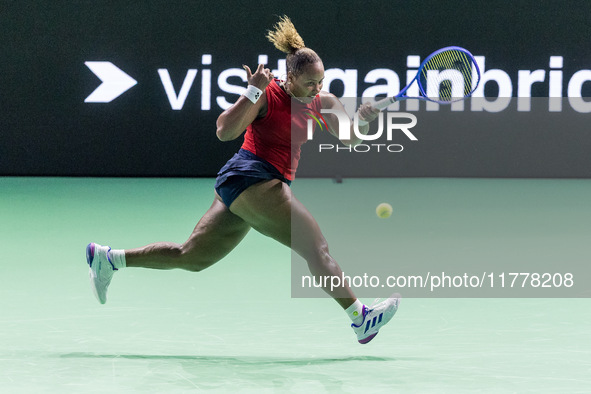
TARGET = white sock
(118,258)
(355,312)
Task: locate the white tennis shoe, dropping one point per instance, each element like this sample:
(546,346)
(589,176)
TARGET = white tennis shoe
(101,270)
(375,317)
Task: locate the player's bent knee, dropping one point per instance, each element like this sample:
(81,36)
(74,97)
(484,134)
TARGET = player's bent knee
(318,254)
(188,260)
(196,265)
(195,260)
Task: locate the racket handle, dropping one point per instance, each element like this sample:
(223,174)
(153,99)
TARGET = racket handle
(380,105)
(384,103)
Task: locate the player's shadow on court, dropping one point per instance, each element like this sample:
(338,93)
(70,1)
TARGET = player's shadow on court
(245,360)
(279,374)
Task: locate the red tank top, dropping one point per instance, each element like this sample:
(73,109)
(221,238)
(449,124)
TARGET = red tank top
(272,138)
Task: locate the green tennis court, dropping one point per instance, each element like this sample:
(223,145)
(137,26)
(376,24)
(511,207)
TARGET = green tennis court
(236,328)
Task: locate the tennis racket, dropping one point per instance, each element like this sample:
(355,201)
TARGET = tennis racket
(447,75)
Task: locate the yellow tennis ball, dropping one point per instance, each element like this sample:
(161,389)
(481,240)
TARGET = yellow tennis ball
(384,210)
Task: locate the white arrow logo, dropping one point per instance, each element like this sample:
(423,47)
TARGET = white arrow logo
(115,82)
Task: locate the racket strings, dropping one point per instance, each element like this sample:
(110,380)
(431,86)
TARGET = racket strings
(446,70)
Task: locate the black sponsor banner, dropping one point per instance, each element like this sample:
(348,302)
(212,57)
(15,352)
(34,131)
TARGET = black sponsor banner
(134,89)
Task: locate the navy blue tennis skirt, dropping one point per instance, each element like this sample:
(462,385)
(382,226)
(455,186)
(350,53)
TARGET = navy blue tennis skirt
(243,170)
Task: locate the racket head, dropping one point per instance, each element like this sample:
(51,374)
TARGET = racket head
(447,75)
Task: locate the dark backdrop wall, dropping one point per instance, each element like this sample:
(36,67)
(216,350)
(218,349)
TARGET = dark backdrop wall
(182,60)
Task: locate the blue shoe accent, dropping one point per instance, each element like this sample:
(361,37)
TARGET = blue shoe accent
(90,253)
(110,262)
(364,313)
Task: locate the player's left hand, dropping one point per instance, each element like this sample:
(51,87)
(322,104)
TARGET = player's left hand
(261,78)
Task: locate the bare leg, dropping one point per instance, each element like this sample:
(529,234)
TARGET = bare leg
(216,234)
(270,208)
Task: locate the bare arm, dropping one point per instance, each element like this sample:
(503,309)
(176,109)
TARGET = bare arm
(366,112)
(232,122)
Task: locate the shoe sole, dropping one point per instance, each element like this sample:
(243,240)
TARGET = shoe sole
(368,339)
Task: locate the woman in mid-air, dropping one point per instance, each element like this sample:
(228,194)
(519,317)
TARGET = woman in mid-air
(253,189)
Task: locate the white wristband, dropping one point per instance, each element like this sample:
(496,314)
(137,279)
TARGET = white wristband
(253,93)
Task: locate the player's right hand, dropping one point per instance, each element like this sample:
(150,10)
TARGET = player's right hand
(368,113)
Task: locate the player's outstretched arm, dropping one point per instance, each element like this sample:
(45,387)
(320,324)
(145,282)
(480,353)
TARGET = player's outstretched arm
(365,112)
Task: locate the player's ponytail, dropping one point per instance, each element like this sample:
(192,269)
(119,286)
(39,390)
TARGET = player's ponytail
(286,38)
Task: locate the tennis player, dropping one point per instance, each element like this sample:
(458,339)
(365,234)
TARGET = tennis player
(253,189)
